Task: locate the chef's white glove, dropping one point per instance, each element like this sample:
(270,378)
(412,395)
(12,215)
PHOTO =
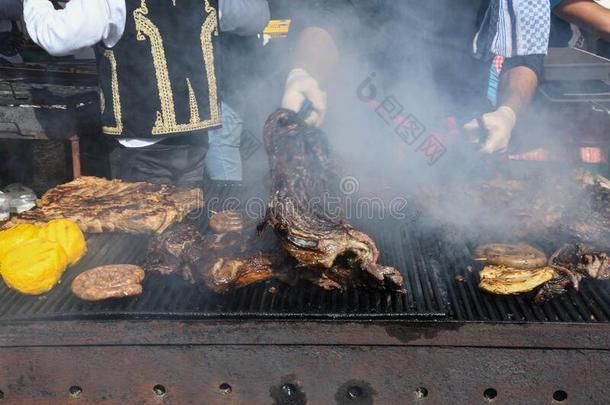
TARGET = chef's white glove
(498,126)
(300,86)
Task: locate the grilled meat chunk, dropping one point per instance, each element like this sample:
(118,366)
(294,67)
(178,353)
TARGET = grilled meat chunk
(304,180)
(583,260)
(553,288)
(567,266)
(166,253)
(218,262)
(98,205)
(223,274)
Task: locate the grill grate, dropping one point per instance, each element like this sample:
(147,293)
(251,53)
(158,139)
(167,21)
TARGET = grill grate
(440,278)
(469,303)
(172,297)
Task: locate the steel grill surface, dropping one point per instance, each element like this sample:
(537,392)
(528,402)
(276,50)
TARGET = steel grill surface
(469,303)
(441,283)
(171,297)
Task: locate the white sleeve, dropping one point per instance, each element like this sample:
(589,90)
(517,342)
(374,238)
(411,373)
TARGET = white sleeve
(82,23)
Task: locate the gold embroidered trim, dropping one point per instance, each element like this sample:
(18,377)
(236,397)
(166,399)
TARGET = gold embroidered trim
(209,28)
(165,122)
(193,103)
(116,97)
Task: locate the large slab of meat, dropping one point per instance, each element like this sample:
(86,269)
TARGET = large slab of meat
(100,205)
(308,243)
(304,181)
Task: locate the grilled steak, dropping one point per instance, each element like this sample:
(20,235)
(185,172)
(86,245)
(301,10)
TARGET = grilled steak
(520,256)
(113,281)
(99,205)
(304,180)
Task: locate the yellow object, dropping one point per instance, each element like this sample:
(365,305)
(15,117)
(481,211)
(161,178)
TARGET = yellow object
(506,280)
(15,236)
(68,235)
(34,267)
(277,28)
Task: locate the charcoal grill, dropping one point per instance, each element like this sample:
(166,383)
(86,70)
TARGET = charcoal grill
(444,341)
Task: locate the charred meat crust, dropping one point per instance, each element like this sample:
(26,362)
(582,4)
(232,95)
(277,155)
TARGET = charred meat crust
(99,205)
(217,262)
(303,177)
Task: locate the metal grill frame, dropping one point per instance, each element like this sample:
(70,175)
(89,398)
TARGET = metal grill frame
(181,359)
(262,362)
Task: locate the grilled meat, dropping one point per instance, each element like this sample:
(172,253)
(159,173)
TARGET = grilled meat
(98,205)
(112,281)
(304,181)
(520,256)
(575,206)
(590,222)
(597,266)
(166,253)
(228,221)
(584,260)
(223,274)
(219,262)
(567,266)
(553,288)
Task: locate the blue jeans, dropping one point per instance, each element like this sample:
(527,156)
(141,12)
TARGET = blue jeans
(223,160)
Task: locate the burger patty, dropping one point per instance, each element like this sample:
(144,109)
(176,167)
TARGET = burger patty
(112,281)
(519,256)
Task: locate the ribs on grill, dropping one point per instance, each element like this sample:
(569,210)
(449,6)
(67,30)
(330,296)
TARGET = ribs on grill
(304,184)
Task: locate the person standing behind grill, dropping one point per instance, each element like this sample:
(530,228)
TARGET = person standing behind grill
(158,74)
(514,80)
(590,16)
(319,28)
(428,63)
(513,40)
(11,38)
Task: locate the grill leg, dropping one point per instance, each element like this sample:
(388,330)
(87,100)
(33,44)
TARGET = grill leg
(75,144)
